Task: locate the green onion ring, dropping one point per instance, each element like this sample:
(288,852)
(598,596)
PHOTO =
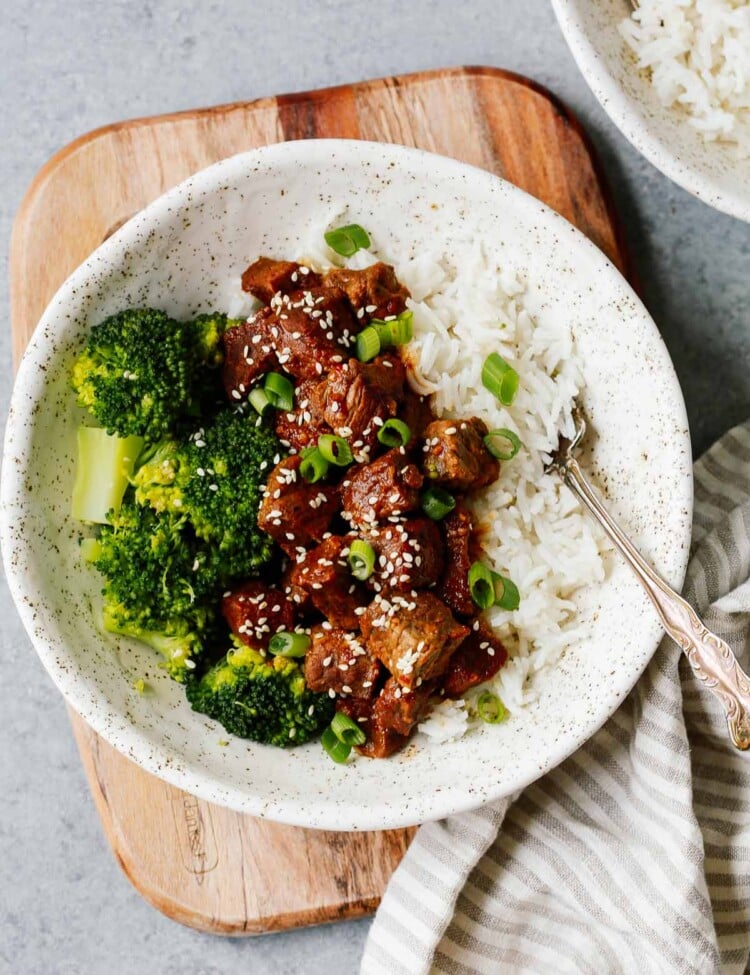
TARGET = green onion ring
(502,452)
(288,644)
(338,750)
(361,559)
(346,241)
(491,709)
(314,466)
(394,433)
(335,450)
(347,730)
(259,401)
(437,503)
(368,344)
(279,391)
(500,378)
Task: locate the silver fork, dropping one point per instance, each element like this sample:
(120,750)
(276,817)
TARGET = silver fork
(710,657)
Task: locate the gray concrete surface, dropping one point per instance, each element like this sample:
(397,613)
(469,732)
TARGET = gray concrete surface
(67,66)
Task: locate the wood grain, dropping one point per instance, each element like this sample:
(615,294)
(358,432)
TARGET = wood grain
(203,865)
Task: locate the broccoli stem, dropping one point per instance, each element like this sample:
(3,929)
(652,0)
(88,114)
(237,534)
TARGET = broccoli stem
(105,465)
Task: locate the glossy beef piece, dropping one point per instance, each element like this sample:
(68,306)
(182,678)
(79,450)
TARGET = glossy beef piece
(299,428)
(394,715)
(478,659)
(454,455)
(294,513)
(453,587)
(298,595)
(248,353)
(414,636)
(265,277)
(409,554)
(255,612)
(337,661)
(416,412)
(387,486)
(353,396)
(374,291)
(307,331)
(325,576)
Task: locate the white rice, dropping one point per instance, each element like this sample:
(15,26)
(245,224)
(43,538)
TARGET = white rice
(535,533)
(698,56)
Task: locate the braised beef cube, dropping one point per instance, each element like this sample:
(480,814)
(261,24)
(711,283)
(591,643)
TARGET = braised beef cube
(414,636)
(299,428)
(457,529)
(374,291)
(478,659)
(299,596)
(265,277)
(394,714)
(388,373)
(388,486)
(416,412)
(255,612)
(326,576)
(338,661)
(409,554)
(352,398)
(456,457)
(248,353)
(293,512)
(308,328)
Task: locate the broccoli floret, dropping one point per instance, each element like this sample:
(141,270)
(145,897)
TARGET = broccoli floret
(141,370)
(214,480)
(156,589)
(265,700)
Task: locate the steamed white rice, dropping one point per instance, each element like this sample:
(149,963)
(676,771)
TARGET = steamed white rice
(535,533)
(698,55)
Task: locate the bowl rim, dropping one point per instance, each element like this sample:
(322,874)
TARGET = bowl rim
(626,114)
(90,702)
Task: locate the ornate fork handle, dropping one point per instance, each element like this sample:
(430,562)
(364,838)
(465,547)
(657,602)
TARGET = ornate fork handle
(710,657)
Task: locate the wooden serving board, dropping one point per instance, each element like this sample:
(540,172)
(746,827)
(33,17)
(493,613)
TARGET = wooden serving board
(203,865)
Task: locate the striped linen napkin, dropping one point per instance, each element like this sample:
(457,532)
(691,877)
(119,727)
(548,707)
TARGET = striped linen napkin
(631,857)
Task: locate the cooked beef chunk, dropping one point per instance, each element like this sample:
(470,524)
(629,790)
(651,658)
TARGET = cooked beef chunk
(293,512)
(410,554)
(388,486)
(326,576)
(478,658)
(337,661)
(352,397)
(299,596)
(414,636)
(299,428)
(416,412)
(307,328)
(265,277)
(375,291)
(248,353)
(255,612)
(394,714)
(455,455)
(453,588)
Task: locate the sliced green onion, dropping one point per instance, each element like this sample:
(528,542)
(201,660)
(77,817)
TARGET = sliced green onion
(490,589)
(394,433)
(259,401)
(482,585)
(335,450)
(507,595)
(368,344)
(502,443)
(279,391)
(347,240)
(361,559)
(338,750)
(491,709)
(288,644)
(396,331)
(500,378)
(314,466)
(437,503)
(347,730)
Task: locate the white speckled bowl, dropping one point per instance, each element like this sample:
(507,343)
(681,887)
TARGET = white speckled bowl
(710,171)
(179,254)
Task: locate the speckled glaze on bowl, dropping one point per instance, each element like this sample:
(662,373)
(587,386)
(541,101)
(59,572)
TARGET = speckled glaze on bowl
(179,254)
(709,170)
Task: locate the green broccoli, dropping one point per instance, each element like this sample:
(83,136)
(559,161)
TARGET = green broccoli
(262,699)
(214,480)
(156,587)
(141,371)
